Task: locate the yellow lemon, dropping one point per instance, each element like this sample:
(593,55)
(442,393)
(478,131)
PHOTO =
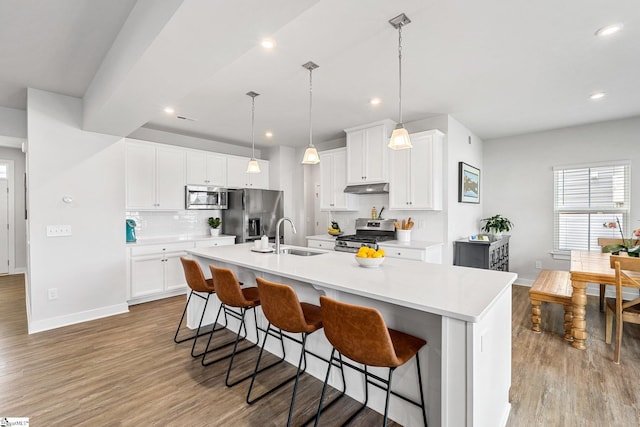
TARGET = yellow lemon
(377,255)
(381,252)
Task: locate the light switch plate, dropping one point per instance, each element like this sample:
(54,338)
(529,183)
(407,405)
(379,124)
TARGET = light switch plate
(58,230)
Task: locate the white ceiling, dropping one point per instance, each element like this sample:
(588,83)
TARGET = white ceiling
(500,67)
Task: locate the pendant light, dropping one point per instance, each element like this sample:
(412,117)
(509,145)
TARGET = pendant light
(311,154)
(400,137)
(253,166)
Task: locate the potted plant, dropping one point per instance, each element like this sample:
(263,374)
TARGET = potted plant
(496,225)
(215,223)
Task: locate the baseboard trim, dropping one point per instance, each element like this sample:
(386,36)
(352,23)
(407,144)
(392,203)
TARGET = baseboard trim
(72,319)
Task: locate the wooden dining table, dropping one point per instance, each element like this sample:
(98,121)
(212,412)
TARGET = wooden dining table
(586,267)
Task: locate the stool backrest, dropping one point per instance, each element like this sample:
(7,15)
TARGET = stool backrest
(227,287)
(357,332)
(281,306)
(194,275)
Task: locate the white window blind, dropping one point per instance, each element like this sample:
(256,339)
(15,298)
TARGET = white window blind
(587,199)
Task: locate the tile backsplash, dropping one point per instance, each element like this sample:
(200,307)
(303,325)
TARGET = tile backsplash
(186,224)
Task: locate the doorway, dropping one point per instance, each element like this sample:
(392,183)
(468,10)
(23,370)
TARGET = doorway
(7,242)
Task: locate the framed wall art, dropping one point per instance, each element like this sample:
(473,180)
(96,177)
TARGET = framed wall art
(468,183)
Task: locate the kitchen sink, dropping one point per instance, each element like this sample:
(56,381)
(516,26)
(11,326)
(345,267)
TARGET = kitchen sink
(300,252)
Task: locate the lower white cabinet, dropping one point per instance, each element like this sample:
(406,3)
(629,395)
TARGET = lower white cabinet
(432,254)
(155,271)
(321,244)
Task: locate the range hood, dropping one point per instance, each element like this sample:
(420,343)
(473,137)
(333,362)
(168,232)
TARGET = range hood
(381,188)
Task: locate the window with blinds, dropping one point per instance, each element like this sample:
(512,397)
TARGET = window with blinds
(590,202)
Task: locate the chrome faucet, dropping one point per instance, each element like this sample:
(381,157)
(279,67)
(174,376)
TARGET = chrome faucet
(280,221)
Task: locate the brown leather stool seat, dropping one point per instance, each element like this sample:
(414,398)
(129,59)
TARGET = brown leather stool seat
(285,312)
(231,295)
(198,284)
(360,333)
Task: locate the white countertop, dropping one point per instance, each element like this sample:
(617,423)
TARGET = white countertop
(177,239)
(457,292)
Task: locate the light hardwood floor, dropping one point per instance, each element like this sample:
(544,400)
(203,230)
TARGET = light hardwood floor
(126,370)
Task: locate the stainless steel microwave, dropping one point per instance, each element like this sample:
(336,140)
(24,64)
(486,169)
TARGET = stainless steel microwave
(203,197)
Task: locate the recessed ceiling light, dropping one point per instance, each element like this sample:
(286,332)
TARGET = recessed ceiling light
(268,134)
(169,110)
(375,101)
(609,30)
(597,95)
(268,43)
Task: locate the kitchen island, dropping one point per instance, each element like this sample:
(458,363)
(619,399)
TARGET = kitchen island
(464,314)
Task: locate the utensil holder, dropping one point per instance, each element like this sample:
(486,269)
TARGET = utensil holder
(403,235)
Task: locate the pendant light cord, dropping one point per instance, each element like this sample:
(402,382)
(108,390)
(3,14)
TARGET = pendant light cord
(400,70)
(253,113)
(310,107)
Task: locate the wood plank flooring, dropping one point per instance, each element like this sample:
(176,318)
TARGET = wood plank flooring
(125,370)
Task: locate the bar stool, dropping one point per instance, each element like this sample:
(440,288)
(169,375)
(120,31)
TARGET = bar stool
(231,294)
(285,312)
(361,334)
(196,281)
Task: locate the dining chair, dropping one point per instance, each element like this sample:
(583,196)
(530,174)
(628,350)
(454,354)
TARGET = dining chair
(622,311)
(602,242)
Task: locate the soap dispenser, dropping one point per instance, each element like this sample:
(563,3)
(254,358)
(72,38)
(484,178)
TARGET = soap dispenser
(264,241)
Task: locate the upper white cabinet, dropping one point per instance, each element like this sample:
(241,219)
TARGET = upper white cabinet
(415,175)
(237,176)
(367,153)
(155,176)
(206,168)
(333,179)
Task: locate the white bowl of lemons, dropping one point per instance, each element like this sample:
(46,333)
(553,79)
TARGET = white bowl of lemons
(369,257)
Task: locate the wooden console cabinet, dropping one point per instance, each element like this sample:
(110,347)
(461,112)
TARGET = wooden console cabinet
(487,255)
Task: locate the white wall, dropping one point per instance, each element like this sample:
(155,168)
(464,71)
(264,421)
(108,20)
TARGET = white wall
(13,123)
(20,224)
(518,182)
(463,219)
(88,268)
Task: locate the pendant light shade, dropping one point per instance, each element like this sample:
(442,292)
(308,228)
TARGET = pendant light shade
(400,137)
(253,166)
(311,154)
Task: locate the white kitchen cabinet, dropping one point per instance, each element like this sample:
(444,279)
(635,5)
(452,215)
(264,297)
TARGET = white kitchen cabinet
(156,270)
(216,241)
(321,244)
(333,179)
(415,175)
(205,168)
(367,153)
(155,176)
(431,253)
(237,176)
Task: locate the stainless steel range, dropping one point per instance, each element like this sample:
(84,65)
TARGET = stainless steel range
(369,232)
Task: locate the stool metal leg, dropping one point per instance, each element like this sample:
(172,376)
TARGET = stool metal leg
(324,387)
(235,351)
(242,327)
(424,407)
(258,370)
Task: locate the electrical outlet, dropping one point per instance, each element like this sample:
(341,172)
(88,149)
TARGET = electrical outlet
(58,230)
(538,264)
(53,293)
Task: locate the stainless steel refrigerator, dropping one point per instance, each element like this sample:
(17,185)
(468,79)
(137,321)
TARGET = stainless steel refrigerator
(252,213)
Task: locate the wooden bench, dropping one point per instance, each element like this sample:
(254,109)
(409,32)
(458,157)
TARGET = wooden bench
(555,287)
